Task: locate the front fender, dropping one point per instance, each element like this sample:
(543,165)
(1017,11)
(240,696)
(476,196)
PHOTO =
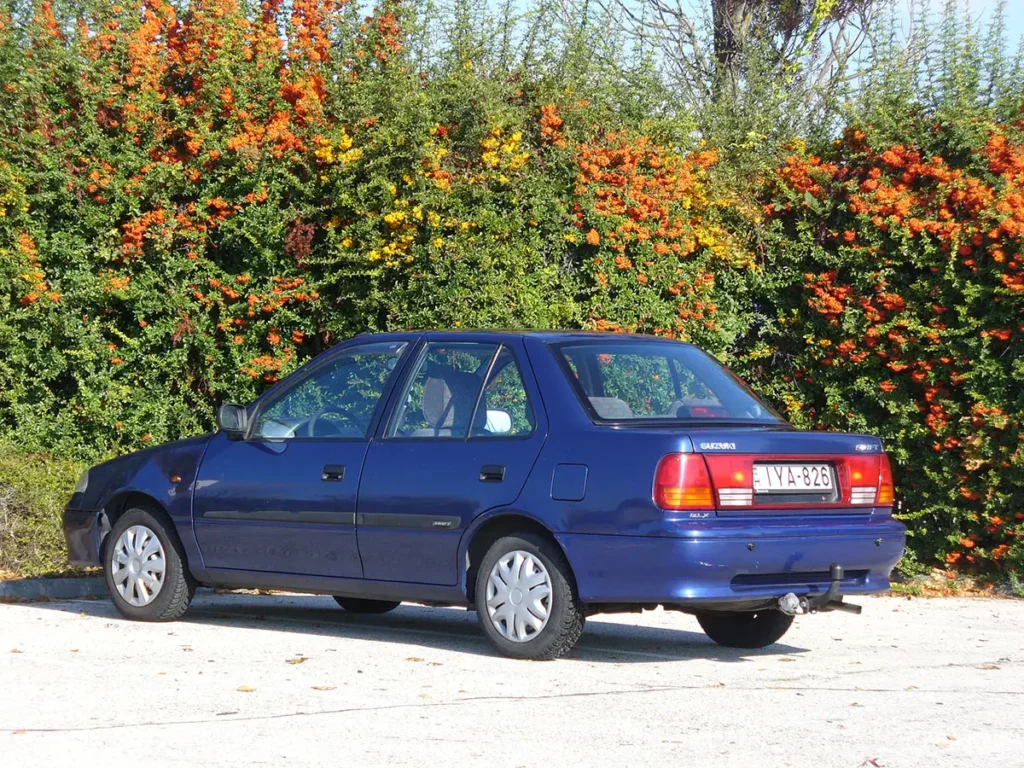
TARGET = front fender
(165,474)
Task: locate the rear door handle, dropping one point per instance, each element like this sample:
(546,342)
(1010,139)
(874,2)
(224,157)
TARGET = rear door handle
(492,473)
(334,472)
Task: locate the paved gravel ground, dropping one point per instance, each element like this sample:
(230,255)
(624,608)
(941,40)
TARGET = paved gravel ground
(293,680)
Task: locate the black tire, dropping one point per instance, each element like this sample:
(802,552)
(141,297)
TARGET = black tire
(362,605)
(566,617)
(178,586)
(756,629)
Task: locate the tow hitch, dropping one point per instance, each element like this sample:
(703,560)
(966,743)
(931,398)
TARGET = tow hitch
(831,600)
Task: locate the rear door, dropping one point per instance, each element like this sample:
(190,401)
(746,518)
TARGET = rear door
(284,499)
(465,430)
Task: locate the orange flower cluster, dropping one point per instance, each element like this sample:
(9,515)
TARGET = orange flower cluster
(135,231)
(34,274)
(551,126)
(649,212)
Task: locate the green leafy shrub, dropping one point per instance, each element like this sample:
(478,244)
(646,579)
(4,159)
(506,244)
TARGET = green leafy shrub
(33,491)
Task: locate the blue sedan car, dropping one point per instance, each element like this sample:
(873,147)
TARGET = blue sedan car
(537,477)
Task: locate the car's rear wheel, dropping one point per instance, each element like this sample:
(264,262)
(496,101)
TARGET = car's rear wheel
(745,629)
(526,598)
(145,568)
(363,605)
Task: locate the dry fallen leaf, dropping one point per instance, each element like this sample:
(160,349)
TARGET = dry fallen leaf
(414,658)
(19,733)
(323,687)
(424,696)
(989,666)
(786,658)
(435,664)
(246,689)
(296,660)
(15,650)
(951,738)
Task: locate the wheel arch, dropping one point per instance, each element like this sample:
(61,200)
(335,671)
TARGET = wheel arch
(489,528)
(124,500)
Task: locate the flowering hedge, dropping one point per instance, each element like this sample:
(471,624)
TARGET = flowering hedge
(196,198)
(899,300)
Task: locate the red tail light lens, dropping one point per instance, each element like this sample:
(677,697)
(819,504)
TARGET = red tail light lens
(682,481)
(869,479)
(886,491)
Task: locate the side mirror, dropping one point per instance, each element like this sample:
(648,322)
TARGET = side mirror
(233,420)
(498,422)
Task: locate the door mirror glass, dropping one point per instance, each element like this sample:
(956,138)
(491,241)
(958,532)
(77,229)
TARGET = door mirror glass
(504,400)
(232,420)
(498,422)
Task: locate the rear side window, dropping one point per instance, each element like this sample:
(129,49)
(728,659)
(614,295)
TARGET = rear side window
(442,395)
(638,381)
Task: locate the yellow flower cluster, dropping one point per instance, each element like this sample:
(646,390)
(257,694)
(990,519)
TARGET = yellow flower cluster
(403,222)
(502,151)
(326,149)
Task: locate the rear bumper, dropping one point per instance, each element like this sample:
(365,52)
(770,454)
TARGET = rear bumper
(734,566)
(82,533)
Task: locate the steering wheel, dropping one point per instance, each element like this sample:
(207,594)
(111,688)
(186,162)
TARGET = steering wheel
(311,424)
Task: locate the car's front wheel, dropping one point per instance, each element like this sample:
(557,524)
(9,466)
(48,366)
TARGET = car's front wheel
(363,605)
(745,629)
(145,568)
(526,598)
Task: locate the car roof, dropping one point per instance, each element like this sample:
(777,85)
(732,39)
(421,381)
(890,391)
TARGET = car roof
(547,336)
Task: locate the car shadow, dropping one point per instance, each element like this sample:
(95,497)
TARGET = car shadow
(452,629)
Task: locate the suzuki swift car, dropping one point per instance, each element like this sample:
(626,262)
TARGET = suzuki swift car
(538,478)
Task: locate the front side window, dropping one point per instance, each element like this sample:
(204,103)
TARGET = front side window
(637,381)
(337,400)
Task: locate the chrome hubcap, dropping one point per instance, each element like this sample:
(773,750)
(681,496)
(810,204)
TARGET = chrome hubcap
(137,565)
(519,596)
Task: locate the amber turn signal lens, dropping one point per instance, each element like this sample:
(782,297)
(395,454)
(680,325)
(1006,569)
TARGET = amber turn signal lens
(682,481)
(886,491)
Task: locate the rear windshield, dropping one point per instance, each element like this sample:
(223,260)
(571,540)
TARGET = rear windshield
(657,382)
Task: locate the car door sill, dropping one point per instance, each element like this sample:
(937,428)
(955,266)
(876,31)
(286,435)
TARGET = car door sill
(329,585)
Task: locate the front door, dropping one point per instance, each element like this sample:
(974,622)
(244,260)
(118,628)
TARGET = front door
(462,439)
(284,499)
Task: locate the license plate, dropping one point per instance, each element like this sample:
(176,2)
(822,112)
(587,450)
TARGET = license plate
(793,478)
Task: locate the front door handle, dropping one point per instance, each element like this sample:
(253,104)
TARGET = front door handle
(334,472)
(492,473)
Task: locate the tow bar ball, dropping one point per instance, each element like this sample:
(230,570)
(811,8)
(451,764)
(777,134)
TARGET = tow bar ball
(793,605)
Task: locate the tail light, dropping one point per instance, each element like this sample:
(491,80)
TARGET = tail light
(682,481)
(725,482)
(886,490)
(870,480)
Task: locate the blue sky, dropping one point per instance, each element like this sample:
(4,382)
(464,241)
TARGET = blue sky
(982,10)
